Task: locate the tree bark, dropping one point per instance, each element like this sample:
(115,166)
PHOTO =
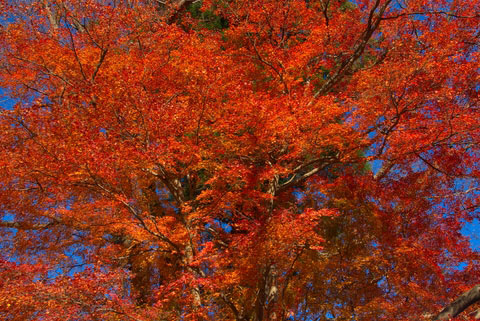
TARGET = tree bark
(460,304)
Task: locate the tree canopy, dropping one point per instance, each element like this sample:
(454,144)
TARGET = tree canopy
(238,160)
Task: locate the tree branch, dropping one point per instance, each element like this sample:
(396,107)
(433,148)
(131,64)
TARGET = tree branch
(299,175)
(25,225)
(430,13)
(372,25)
(460,304)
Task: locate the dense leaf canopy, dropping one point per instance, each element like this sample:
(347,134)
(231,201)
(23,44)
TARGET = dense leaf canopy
(237,159)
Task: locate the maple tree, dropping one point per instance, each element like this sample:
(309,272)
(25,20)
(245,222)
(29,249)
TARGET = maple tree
(187,160)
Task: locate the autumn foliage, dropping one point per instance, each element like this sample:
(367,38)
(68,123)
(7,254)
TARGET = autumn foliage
(237,159)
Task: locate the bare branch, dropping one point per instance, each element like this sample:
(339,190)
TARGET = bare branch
(103,54)
(431,13)
(387,166)
(460,304)
(298,174)
(26,225)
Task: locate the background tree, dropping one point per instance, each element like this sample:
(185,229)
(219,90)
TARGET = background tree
(212,161)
